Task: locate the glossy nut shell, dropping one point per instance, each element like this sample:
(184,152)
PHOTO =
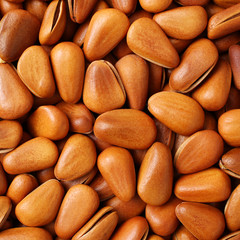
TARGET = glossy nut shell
(190,73)
(165,106)
(127,128)
(211,185)
(106,29)
(200,151)
(68,67)
(200,219)
(117,168)
(229,127)
(176,23)
(40,207)
(35,70)
(78,205)
(35,154)
(146,39)
(155,177)
(77,158)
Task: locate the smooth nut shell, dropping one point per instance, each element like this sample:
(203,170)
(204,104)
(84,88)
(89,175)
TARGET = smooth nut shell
(80,118)
(165,106)
(128,128)
(200,219)
(48,121)
(77,158)
(146,39)
(15,100)
(211,185)
(177,23)
(135,228)
(183,234)
(23,233)
(214,91)
(200,151)
(6,207)
(126,210)
(11,133)
(33,155)
(35,70)
(12,40)
(155,177)
(78,205)
(134,73)
(155,5)
(117,168)
(40,207)
(20,187)
(229,127)
(190,73)
(106,29)
(234,57)
(103,90)
(162,219)
(68,67)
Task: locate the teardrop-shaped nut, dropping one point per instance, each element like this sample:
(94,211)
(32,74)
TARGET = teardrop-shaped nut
(230,163)
(190,73)
(177,22)
(103,90)
(20,187)
(68,67)
(162,219)
(15,99)
(80,10)
(128,128)
(106,29)
(35,70)
(146,39)
(165,106)
(6,207)
(33,155)
(200,151)
(78,205)
(12,40)
(213,92)
(48,121)
(136,227)
(40,207)
(229,127)
(80,118)
(53,23)
(200,219)
(11,134)
(211,185)
(100,226)
(231,211)
(117,168)
(126,210)
(23,233)
(77,158)
(134,73)
(224,22)
(183,234)
(155,177)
